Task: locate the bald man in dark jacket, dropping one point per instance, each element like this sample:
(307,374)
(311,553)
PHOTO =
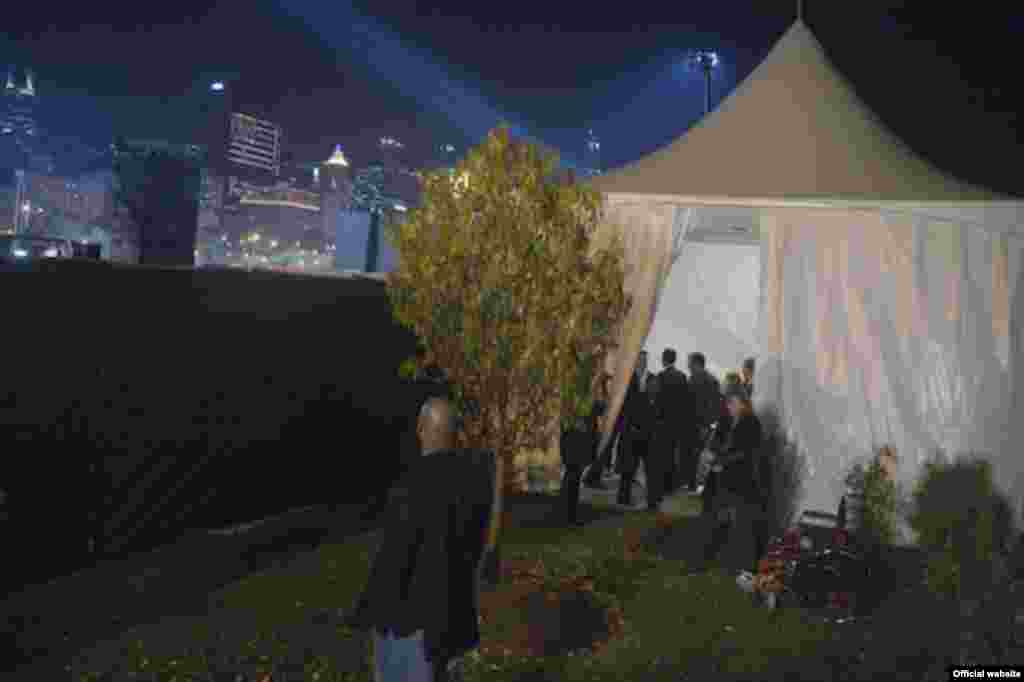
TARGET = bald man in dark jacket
(421,599)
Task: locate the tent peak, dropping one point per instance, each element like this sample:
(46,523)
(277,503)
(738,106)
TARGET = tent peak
(795,126)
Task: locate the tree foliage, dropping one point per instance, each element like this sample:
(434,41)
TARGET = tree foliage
(500,279)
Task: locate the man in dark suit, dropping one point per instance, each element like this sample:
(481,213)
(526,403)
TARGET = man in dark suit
(638,423)
(578,447)
(674,410)
(421,600)
(707,394)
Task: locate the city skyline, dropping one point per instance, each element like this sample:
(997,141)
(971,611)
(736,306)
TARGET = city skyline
(637,97)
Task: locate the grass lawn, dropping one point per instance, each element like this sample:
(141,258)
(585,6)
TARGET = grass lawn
(285,623)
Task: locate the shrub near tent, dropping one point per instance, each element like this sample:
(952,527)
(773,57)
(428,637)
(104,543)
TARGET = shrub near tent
(500,280)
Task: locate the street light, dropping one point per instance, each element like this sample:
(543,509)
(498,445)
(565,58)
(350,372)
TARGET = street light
(705,60)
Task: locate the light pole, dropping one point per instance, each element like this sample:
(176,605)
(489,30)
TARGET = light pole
(706,61)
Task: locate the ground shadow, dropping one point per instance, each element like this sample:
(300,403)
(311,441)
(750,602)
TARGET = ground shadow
(782,469)
(540,510)
(276,550)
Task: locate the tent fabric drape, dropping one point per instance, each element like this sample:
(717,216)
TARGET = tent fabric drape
(876,337)
(650,237)
(710,305)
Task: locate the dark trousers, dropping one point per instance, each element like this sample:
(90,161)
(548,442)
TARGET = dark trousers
(571,492)
(632,451)
(440,670)
(604,463)
(708,496)
(666,453)
(689,458)
(658,469)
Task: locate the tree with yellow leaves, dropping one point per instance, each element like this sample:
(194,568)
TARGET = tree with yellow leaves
(501,279)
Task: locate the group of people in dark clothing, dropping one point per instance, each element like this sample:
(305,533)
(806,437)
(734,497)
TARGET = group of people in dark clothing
(667,420)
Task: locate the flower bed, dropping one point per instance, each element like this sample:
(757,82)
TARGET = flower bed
(794,572)
(562,614)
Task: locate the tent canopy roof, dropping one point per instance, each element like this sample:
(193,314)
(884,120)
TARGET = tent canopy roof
(794,129)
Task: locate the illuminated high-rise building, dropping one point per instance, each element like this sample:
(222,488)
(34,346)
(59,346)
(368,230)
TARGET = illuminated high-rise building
(18,124)
(255,144)
(335,176)
(18,109)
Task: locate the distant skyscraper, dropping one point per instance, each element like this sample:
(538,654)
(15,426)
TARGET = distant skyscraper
(18,108)
(592,155)
(145,170)
(255,144)
(335,175)
(18,113)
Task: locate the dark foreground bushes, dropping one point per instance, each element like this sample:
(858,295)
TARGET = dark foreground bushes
(138,403)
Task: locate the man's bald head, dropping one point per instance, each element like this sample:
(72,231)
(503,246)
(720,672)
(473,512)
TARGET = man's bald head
(436,427)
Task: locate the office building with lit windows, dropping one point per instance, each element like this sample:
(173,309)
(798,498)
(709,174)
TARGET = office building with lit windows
(255,144)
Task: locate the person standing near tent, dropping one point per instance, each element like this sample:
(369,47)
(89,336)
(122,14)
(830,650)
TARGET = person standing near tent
(748,377)
(421,600)
(578,447)
(594,477)
(675,414)
(638,422)
(707,393)
(739,501)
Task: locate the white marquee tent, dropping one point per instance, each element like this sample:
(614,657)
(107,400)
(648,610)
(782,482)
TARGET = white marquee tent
(883,298)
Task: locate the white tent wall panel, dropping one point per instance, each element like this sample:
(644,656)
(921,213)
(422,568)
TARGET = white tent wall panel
(1015,366)
(710,305)
(878,330)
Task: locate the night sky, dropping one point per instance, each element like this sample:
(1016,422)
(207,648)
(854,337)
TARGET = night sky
(436,72)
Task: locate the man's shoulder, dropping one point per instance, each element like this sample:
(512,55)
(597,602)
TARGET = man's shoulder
(706,379)
(673,374)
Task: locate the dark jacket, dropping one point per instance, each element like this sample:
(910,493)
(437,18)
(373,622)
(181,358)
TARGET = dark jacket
(424,576)
(743,446)
(637,427)
(578,444)
(638,411)
(707,394)
(674,406)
